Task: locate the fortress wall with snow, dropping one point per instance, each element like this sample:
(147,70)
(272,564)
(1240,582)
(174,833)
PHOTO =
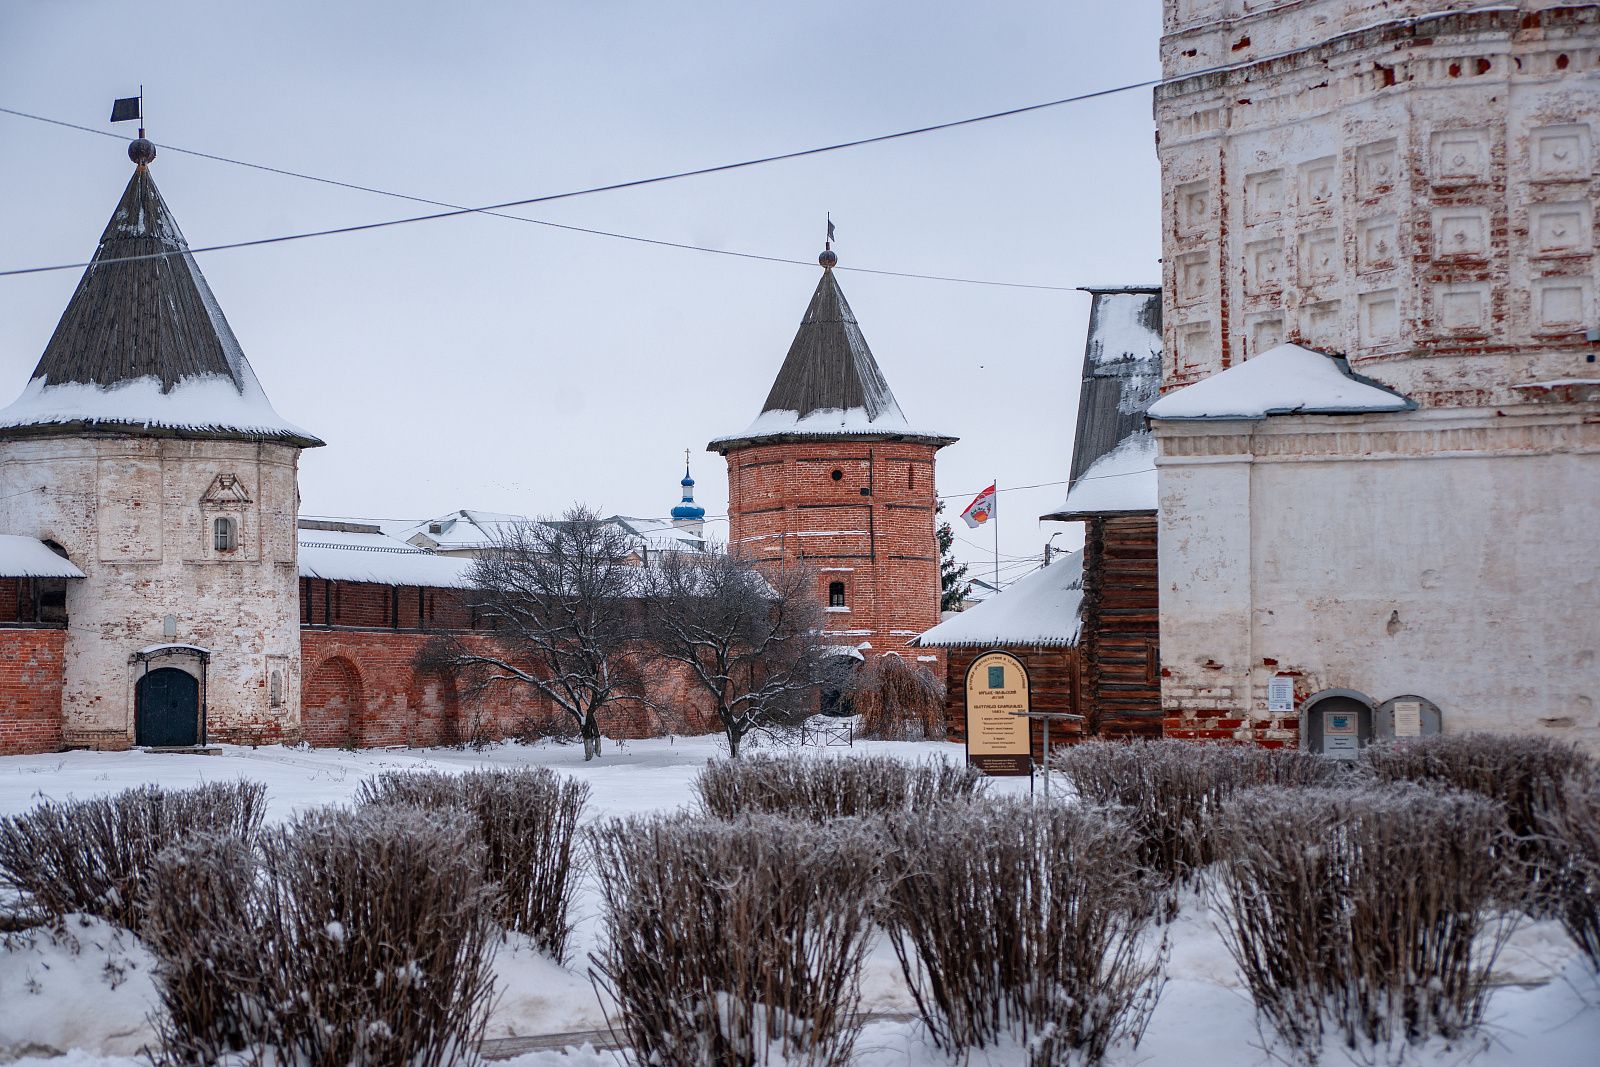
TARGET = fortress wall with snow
(132,513)
(1417,192)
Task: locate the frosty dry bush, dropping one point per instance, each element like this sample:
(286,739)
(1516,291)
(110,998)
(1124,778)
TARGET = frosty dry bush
(207,972)
(358,937)
(732,943)
(829,788)
(527,820)
(1355,912)
(1015,921)
(1519,772)
(898,701)
(1169,787)
(93,856)
(1570,822)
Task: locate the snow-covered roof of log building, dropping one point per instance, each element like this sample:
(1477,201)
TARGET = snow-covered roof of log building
(829,385)
(1040,608)
(1113,454)
(143,346)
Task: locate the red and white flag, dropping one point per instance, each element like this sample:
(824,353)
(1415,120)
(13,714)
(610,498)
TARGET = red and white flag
(981,510)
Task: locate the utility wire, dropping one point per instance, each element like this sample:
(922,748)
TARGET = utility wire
(497,209)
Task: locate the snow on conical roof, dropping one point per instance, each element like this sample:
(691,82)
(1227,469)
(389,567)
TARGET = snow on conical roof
(829,384)
(143,346)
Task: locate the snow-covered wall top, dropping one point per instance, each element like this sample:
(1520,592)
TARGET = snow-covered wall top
(1120,482)
(28,557)
(1038,609)
(377,558)
(1284,380)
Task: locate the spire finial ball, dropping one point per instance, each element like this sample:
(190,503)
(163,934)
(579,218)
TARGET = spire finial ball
(828,259)
(141,151)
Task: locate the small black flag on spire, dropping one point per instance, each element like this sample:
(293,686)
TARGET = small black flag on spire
(830,229)
(127,109)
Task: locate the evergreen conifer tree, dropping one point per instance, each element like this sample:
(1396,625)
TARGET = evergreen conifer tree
(952,588)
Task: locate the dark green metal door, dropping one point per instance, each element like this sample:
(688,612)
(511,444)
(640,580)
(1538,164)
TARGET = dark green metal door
(167,711)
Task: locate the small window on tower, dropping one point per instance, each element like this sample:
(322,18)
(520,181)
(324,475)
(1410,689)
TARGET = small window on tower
(224,534)
(837,475)
(835,594)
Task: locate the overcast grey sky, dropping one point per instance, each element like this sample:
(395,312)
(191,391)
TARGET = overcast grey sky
(484,363)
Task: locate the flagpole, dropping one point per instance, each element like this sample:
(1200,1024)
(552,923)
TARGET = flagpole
(994,517)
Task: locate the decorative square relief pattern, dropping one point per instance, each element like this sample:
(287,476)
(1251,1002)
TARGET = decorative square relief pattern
(1322,330)
(1377,167)
(1193,205)
(1197,346)
(1460,155)
(1318,181)
(1460,231)
(1264,331)
(1193,277)
(1378,318)
(1319,255)
(1560,229)
(1560,304)
(1561,151)
(1263,196)
(1377,243)
(1461,305)
(1263,266)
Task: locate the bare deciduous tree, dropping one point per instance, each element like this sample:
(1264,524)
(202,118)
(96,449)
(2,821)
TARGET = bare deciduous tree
(749,635)
(559,594)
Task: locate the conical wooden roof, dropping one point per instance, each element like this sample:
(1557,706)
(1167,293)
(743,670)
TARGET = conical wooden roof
(829,385)
(143,345)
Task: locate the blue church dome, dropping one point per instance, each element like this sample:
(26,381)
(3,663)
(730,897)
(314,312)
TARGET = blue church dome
(688,510)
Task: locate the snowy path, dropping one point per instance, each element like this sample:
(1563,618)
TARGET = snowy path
(95,1002)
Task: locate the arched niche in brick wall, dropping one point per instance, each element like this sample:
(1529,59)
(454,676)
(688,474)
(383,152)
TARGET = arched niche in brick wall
(330,704)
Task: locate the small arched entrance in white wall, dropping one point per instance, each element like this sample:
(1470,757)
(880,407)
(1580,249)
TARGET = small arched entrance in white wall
(1336,723)
(169,696)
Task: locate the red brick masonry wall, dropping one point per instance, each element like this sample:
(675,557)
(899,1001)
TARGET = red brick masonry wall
(362,688)
(31,669)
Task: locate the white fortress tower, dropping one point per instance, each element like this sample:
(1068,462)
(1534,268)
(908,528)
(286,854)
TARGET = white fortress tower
(145,450)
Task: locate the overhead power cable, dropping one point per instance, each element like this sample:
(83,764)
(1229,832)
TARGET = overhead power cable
(455,211)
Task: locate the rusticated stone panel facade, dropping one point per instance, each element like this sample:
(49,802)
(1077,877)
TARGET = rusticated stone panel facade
(861,513)
(1418,195)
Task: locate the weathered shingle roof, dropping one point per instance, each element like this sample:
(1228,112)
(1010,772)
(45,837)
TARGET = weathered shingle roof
(143,344)
(1121,378)
(829,384)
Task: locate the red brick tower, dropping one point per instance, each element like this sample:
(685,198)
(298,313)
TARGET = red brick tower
(831,472)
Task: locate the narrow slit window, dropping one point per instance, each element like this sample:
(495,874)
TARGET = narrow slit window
(224,534)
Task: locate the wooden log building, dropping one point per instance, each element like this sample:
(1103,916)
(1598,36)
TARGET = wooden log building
(1112,491)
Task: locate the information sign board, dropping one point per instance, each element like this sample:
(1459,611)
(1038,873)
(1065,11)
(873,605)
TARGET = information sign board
(997,737)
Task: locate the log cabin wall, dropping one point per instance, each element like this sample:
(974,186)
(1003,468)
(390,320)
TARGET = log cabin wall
(1120,643)
(1054,685)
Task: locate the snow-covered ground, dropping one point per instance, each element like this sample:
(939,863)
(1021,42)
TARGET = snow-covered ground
(95,1001)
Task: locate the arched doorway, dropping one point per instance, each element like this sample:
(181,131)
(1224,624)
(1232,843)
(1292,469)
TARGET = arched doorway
(167,709)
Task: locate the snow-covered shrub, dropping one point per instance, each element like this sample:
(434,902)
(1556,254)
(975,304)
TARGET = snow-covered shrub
(898,700)
(1523,773)
(1023,922)
(527,819)
(345,937)
(1369,913)
(1570,822)
(734,943)
(1169,787)
(208,974)
(92,856)
(829,788)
